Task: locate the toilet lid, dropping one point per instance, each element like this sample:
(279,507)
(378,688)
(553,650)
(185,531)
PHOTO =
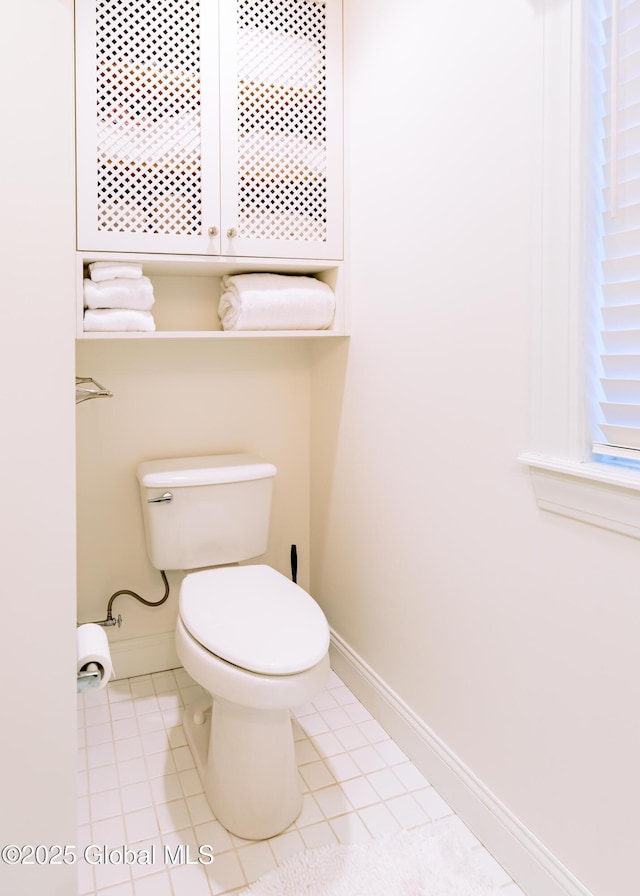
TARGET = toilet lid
(255,618)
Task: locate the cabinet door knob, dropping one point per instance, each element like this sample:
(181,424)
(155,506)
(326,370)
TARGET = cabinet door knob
(213,231)
(231,232)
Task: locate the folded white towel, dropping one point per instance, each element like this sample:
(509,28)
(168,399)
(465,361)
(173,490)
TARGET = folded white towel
(109,270)
(118,320)
(275,302)
(134,294)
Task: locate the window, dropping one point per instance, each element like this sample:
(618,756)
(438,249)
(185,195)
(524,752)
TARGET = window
(574,412)
(616,128)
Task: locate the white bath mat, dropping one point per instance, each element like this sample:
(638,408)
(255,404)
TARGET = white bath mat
(427,861)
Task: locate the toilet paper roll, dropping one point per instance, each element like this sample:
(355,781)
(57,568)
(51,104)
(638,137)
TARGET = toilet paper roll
(93,657)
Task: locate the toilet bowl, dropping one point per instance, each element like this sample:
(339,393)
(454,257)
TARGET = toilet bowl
(259,645)
(252,638)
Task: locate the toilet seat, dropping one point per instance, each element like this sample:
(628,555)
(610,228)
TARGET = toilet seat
(255,618)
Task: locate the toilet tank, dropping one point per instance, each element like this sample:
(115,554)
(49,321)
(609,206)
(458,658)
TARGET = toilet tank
(205,511)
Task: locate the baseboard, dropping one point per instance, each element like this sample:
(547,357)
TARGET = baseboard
(521,854)
(141,656)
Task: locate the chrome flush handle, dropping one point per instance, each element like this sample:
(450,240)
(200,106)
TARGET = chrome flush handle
(163,499)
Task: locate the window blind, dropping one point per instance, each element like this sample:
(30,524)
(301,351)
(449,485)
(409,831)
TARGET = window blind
(618,417)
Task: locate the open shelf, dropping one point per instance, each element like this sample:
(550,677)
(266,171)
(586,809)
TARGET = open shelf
(187,292)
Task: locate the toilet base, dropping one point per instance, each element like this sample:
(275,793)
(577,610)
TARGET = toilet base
(246,762)
(197,734)
(244,747)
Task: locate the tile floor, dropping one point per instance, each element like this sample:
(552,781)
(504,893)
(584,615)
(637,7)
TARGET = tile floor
(138,786)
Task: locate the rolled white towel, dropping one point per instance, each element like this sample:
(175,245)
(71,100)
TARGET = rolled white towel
(110,270)
(119,293)
(275,302)
(118,320)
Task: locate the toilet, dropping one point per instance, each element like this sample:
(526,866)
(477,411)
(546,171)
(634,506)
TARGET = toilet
(254,640)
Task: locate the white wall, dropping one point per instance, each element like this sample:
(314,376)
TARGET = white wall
(512,633)
(37,635)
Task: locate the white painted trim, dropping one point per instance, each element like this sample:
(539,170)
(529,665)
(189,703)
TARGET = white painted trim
(594,493)
(567,480)
(521,854)
(142,656)
(558,347)
(597,472)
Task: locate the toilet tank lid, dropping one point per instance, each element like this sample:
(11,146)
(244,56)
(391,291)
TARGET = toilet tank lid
(210,469)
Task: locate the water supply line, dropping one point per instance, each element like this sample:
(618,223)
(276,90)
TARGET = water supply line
(110,620)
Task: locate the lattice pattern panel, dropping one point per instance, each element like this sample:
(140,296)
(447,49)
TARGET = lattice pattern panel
(148,98)
(282,120)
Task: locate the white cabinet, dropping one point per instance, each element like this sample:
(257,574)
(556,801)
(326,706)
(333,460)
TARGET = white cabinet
(210,127)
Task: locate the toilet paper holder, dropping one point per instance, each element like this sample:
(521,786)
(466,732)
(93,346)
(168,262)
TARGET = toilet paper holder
(94,668)
(89,676)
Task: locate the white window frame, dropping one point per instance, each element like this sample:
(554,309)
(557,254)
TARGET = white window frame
(566,478)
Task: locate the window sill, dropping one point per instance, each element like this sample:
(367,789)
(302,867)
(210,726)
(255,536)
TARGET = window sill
(590,492)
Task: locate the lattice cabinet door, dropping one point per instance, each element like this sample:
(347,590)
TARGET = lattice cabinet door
(210,127)
(147,125)
(281,128)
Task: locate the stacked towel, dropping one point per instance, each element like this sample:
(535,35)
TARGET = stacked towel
(118,319)
(117,296)
(119,293)
(110,270)
(275,302)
